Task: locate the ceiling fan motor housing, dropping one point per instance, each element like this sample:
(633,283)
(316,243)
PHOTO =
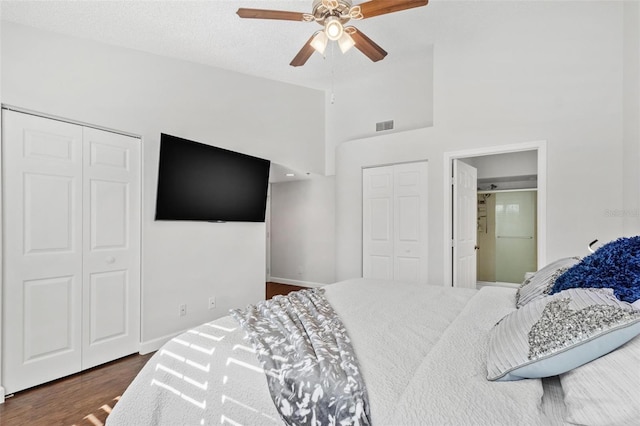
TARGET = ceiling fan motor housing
(323,9)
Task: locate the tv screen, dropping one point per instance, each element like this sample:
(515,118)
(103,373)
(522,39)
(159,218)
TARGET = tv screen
(206,183)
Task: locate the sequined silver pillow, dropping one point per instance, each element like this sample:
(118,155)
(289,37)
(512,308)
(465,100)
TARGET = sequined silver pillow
(540,283)
(558,333)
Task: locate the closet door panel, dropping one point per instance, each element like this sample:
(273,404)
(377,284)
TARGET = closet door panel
(377,223)
(108,292)
(42,162)
(410,236)
(112,246)
(49,331)
(109,206)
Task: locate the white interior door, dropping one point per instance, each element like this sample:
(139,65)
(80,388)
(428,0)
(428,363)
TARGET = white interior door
(410,222)
(377,223)
(465,195)
(42,161)
(111,267)
(394,220)
(71,246)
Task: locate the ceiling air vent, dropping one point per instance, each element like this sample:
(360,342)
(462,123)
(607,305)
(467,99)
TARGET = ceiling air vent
(384,125)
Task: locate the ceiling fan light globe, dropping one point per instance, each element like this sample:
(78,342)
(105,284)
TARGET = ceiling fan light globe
(319,42)
(333,28)
(346,42)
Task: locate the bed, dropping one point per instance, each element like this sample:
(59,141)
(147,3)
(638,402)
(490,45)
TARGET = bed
(423,352)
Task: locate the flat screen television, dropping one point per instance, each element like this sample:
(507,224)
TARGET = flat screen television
(202,182)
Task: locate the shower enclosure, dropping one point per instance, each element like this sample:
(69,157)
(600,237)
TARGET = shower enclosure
(506,235)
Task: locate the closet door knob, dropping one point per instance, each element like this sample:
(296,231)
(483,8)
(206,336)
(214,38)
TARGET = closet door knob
(110,260)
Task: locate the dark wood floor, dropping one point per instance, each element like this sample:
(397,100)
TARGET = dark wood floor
(276,288)
(85,399)
(82,399)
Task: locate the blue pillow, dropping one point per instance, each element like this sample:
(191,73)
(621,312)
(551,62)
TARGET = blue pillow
(615,265)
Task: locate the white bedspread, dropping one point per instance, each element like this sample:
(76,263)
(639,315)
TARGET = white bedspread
(450,386)
(422,353)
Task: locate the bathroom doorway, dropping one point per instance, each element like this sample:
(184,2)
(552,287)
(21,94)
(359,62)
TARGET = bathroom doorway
(506,168)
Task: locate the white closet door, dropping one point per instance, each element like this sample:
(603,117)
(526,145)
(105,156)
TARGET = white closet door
(111,277)
(394,220)
(42,186)
(377,223)
(410,222)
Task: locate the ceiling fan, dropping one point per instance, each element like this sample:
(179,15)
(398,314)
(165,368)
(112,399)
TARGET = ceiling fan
(333,15)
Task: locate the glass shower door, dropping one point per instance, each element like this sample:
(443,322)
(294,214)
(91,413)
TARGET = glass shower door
(515,235)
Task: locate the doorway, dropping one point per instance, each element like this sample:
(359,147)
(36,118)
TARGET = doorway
(480,157)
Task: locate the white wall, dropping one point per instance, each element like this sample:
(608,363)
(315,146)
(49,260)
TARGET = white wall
(505,73)
(146,94)
(388,91)
(631,184)
(302,231)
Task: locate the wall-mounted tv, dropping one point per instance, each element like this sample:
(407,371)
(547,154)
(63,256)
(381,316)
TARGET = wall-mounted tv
(201,182)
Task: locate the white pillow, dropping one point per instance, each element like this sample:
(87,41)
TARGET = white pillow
(558,333)
(605,391)
(540,283)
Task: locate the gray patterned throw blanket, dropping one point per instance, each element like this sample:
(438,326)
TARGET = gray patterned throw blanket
(311,368)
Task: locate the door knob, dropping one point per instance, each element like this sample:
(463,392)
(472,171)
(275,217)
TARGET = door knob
(110,260)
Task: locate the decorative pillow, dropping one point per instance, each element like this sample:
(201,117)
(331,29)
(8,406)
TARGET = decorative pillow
(605,391)
(615,265)
(555,334)
(540,283)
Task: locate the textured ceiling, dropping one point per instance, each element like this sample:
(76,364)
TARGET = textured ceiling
(209,32)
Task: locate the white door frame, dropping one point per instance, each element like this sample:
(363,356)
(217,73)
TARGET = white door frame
(267,225)
(541,148)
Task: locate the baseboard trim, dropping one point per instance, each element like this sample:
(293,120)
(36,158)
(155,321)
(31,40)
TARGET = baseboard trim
(155,344)
(480,284)
(296,282)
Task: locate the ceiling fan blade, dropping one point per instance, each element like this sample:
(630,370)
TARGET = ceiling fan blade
(270,14)
(373,8)
(304,54)
(366,45)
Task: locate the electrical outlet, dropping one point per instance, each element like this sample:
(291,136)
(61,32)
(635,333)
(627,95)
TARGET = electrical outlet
(183,310)
(212,302)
